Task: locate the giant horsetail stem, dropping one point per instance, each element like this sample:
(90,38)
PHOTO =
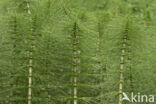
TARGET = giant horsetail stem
(75,42)
(30,63)
(122,63)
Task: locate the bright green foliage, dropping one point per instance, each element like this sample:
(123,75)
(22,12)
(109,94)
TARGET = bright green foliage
(96,28)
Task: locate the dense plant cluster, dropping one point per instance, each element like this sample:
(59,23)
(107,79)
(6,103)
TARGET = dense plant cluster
(76,51)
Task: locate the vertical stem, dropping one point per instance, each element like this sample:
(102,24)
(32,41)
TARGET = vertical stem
(97,55)
(99,41)
(30,64)
(48,7)
(99,61)
(122,63)
(13,54)
(30,79)
(31,61)
(75,41)
(47,66)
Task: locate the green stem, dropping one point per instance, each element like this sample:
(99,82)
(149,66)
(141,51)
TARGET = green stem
(75,41)
(122,63)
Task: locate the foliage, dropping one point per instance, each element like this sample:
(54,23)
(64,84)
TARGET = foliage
(52,31)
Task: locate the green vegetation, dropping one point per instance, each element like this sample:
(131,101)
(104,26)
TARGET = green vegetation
(76,51)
